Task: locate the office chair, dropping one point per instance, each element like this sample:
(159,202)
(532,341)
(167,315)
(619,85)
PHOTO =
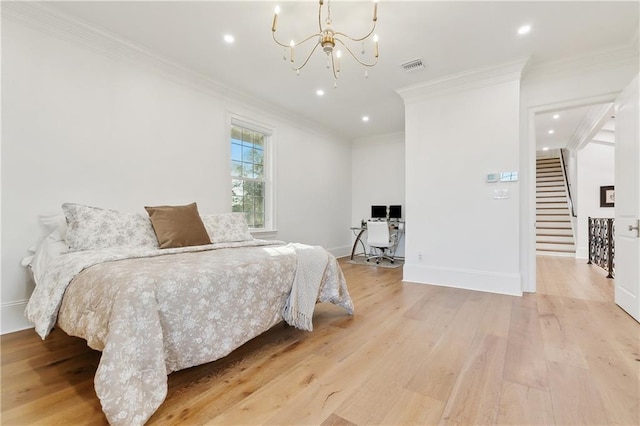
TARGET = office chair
(380,242)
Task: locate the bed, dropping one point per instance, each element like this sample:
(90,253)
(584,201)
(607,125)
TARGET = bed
(153,310)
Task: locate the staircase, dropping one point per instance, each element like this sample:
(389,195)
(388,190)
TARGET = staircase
(554,235)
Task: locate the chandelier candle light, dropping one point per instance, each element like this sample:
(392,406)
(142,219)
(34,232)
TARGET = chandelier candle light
(327,37)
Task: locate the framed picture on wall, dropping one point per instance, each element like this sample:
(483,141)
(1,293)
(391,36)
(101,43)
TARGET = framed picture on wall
(607,196)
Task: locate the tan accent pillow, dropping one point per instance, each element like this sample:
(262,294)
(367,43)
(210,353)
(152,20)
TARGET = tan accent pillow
(178,226)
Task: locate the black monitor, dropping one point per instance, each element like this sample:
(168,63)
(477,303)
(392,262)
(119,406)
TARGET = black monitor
(378,212)
(395,212)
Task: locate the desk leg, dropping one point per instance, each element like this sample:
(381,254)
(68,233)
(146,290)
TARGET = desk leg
(355,243)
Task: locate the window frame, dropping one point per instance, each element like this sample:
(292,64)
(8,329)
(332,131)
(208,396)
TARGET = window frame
(268,131)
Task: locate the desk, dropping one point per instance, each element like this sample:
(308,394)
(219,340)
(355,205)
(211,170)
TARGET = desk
(358,231)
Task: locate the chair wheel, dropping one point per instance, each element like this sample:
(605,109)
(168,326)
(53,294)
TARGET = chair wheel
(367,260)
(392,261)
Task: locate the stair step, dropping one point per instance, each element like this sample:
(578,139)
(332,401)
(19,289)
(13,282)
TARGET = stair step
(550,199)
(565,225)
(558,179)
(554,239)
(549,171)
(555,253)
(552,184)
(547,194)
(548,166)
(553,160)
(553,218)
(555,211)
(567,248)
(546,205)
(554,232)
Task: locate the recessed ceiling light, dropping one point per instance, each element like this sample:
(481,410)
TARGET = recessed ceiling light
(546,148)
(524,29)
(365,118)
(551,132)
(556,116)
(229,38)
(319,92)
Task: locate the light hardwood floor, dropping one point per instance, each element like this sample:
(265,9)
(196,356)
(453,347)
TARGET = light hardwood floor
(412,354)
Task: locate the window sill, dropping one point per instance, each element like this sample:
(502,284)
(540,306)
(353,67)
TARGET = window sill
(264,234)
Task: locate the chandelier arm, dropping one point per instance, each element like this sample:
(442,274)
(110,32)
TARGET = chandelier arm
(333,68)
(308,57)
(276,40)
(320,16)
(361,38)
(308,38)
(355,57)
(295,44)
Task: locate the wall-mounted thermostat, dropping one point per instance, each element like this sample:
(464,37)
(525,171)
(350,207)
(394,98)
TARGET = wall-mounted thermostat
(492,177)
(508,176)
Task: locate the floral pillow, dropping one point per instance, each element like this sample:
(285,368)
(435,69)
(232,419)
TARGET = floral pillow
(227,227)
(91,228)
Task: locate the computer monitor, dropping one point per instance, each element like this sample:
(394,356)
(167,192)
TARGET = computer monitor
(395,212)
(378,212)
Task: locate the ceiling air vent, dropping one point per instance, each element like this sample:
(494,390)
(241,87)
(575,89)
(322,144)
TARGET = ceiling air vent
(415,65)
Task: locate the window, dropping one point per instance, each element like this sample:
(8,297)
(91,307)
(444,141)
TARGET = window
(250,183)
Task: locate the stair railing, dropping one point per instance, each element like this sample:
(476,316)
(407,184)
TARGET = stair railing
(602,244)
(566,180)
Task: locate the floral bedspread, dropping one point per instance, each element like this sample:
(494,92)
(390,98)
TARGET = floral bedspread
(152,312)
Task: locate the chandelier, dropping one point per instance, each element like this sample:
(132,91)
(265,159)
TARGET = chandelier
(331,41)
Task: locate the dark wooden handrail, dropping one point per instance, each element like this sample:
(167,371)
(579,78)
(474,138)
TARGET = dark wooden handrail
(566,180)
(602,244)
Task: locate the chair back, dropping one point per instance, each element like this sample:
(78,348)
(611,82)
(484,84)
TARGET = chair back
(378,234)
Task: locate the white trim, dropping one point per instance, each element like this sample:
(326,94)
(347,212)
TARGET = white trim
(464,81)
(492,282)
(530,281)
(12,314)
(340,252)
(590,125)
(269,166)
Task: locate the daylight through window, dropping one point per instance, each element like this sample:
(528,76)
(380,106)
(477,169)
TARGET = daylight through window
(248,183)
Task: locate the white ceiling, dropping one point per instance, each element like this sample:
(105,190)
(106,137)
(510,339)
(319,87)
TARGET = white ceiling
(449,36)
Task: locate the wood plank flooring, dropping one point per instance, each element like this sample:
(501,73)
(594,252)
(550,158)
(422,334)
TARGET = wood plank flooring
(412,354)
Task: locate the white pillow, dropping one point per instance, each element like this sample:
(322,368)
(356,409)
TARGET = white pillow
(49,222)
(227,227)
(91,228)
(50,248)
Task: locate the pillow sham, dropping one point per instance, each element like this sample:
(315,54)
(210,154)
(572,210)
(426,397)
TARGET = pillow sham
(92,228)
(227,227)
(178,226)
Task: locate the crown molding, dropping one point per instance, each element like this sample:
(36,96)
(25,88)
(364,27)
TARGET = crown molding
(467,80)
(626,55)
(43,18)
(590,125)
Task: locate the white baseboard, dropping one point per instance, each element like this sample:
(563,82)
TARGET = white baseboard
(13,317)
(492,282)
(582,253)
(340,251)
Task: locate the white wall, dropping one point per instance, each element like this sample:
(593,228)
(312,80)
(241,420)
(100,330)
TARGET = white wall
(377,176)
(81,126)
(595,168)
(454,138)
